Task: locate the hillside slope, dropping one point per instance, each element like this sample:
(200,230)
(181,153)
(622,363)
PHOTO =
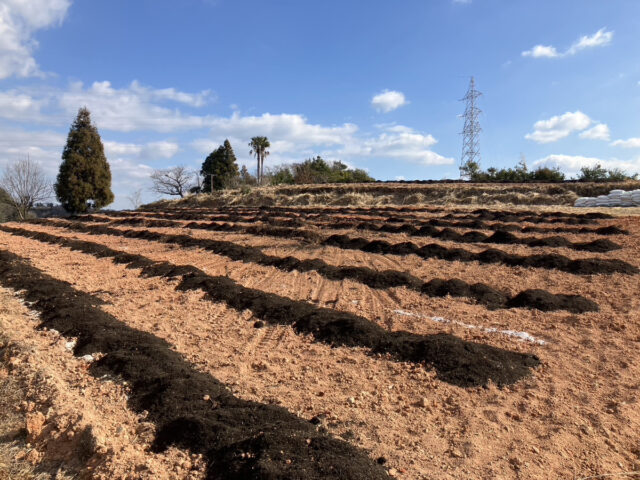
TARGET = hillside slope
(375,194)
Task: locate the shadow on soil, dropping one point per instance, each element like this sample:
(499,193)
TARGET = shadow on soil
(458,362)
(241,439)
(500,236)
(587,266)
(483,294)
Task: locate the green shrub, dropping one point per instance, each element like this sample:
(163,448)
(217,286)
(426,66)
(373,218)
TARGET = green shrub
(546,174)
(599,174)
(280,175)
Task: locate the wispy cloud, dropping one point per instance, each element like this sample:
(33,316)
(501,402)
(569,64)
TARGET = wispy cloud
(629,143)
(599,39)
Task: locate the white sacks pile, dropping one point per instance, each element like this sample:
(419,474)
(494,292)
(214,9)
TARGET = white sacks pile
(616,198)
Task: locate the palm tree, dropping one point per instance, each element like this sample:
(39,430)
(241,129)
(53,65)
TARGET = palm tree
(259,147)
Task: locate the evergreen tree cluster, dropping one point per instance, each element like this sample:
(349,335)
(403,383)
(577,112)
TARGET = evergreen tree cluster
(84,179)
(220,169)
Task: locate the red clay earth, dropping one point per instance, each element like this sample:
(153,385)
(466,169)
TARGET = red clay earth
(574,415)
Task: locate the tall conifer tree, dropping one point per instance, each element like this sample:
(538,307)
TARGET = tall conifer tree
(84,180)
(219,168)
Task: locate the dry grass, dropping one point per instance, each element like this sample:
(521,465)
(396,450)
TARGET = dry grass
(374,195)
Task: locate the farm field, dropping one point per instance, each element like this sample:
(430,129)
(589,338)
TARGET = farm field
(354,342)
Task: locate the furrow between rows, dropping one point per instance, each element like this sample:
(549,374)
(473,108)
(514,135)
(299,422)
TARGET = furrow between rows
(462,363)
(472,236)
(588,266)
(240,439)
(483,294)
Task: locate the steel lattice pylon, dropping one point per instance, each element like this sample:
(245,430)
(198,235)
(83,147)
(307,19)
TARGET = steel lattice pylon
(471,132)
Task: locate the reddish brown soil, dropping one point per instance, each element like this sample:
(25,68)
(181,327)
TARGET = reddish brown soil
(577,415)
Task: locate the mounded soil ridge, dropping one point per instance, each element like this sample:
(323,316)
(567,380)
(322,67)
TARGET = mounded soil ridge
(293,219)
(408,211)
(587,266)
(458,362)
(482,293)
(240,439)
(426,230)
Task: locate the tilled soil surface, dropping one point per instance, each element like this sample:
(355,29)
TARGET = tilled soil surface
(416,378)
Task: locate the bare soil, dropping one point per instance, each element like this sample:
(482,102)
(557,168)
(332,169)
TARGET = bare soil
(573,415)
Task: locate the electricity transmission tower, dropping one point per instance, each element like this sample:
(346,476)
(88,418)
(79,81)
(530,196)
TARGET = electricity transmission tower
(471,132)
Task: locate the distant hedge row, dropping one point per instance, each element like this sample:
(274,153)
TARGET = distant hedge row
(316,170)
(521,174)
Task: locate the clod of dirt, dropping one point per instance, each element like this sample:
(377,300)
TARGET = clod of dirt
(502,237)
(611,230)
(549,242)
(543,300)
(601,245)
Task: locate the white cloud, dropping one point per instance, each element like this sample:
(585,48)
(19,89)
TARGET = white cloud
(599,39)
(542,51)
(43,147)
(127,160)
(290,131)
(161,149)
(573,163)
(133,108)
(599,132)
(19,106)
(558,127)
(192,99)
(140,108)
(19,20)
(293,139)
(388,101)
(149,151)
(399,142)
(629,143)
(128,172)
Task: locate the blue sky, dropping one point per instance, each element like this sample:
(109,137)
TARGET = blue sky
(373,83)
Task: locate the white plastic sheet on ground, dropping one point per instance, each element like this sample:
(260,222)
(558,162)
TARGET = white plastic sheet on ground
(523,336)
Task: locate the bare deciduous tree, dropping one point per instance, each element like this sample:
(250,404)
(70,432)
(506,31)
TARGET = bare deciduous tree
(172,181)
(135,198)
(26,185)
